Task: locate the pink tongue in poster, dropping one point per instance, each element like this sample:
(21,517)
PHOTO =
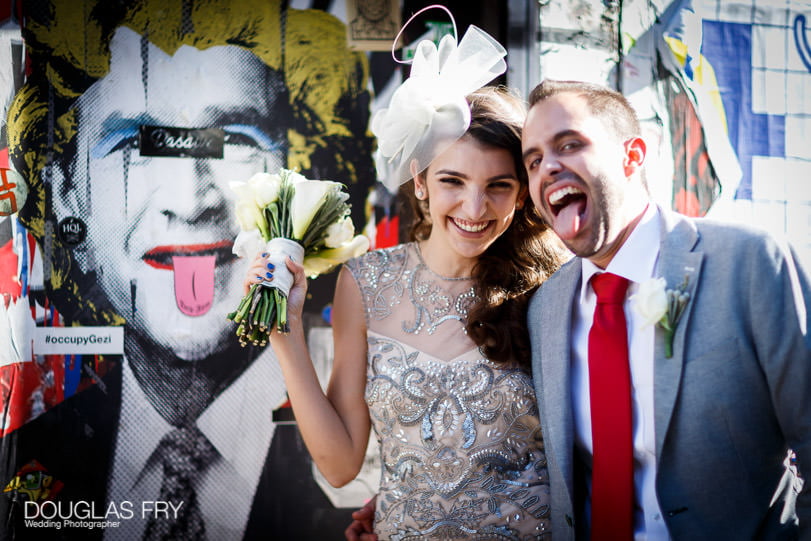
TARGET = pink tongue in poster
(194,283)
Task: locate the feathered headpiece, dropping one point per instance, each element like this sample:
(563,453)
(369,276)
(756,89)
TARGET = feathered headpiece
(429,112)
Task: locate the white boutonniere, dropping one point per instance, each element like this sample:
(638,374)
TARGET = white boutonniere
(657,305)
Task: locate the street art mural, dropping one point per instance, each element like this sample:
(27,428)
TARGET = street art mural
(722,90)
(126,122)
(756,53)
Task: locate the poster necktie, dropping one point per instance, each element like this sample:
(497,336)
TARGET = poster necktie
(612,488)
(184,453)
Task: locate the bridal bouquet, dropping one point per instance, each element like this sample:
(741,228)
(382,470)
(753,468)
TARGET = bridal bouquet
(288,215)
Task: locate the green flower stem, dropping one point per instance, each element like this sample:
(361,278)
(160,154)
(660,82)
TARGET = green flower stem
(668,344)
(270,317)
(286,192)
(255,337)
(281,302)
(272,313)
(272,213)
(669,331)
(263,314)
(243,307)
(267,304)
(256,297)
(254,321)
(286,327)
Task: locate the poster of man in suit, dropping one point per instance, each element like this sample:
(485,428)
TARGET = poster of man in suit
(131,122)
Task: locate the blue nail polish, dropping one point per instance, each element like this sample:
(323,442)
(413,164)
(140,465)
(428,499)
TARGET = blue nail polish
(271,266)
(265,254)
(269,275)
(258,278)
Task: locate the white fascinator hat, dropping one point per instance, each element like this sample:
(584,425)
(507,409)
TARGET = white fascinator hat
(428,112)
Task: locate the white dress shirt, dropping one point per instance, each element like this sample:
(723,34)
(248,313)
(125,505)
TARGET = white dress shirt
(238,424)
(636,260)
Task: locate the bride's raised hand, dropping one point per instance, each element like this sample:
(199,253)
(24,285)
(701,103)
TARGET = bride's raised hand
(298,291)
(261,269)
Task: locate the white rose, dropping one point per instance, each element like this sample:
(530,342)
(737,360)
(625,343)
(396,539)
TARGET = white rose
(248,243)
(265,188)
(339,232)
(650,301)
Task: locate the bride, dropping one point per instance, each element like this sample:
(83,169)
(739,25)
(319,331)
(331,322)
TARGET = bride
(431,349)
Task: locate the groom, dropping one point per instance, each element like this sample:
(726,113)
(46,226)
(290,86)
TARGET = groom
(683,436)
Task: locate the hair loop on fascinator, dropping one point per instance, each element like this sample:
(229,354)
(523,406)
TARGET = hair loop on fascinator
(429,112)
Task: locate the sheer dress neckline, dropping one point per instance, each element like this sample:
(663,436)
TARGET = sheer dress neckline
(406,301)
(418,249)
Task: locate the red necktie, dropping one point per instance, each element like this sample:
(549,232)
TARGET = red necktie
(612,481)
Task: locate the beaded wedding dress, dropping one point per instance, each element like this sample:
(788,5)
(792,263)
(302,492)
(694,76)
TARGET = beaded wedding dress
(460,442)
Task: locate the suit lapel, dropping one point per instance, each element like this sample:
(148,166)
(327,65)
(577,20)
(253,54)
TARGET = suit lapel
(679,265)
(556,331)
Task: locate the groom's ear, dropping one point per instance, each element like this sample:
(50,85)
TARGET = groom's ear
(523,195)
(635,152)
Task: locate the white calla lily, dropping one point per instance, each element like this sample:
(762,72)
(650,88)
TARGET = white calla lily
(325,260)
(309,196)
(248,214)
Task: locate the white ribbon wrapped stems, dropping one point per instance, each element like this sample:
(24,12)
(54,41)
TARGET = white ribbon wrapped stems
(279,249)
(429,112)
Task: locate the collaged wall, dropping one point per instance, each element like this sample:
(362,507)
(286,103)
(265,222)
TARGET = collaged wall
(117,269)
(722,89)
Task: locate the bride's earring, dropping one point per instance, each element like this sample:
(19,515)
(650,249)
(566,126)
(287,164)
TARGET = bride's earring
(420,194)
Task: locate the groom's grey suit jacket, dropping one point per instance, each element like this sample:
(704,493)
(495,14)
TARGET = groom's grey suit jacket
(729,403)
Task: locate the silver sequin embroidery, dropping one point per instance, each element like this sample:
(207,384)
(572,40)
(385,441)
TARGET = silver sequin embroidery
(460,440)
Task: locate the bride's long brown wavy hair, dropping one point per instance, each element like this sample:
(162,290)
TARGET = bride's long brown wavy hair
(520,259)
